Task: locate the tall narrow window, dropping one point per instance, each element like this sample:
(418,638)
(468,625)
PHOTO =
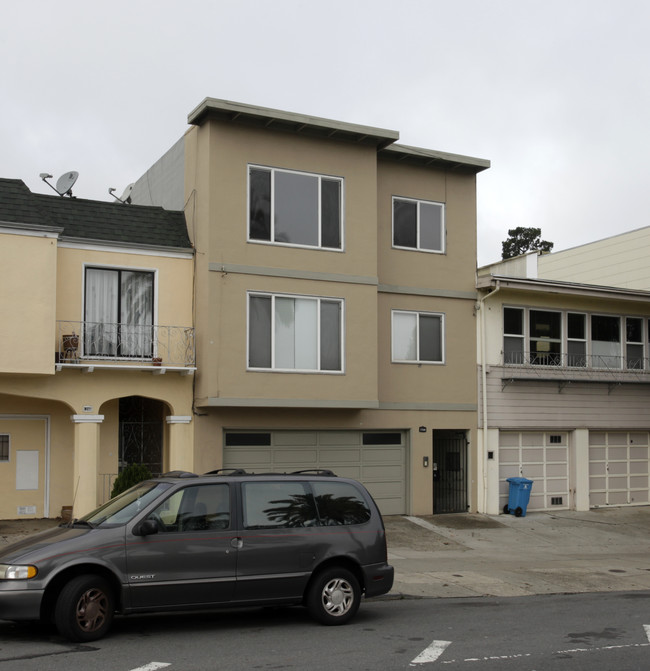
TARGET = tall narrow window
(294,333)
(634,342)
(294,208)
(418,224)
(418,337)
(605,341)
(118,319)
(513,335)
(576,340)
(4,447)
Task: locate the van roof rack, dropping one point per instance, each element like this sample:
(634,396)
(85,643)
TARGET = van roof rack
(315,471)
(228,471)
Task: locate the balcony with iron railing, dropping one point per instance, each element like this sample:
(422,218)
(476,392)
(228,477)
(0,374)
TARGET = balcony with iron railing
(91,345)
(565,368)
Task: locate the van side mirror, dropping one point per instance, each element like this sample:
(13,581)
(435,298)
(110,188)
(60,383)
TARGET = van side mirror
(146,528)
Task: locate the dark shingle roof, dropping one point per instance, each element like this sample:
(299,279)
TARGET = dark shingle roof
(93,219)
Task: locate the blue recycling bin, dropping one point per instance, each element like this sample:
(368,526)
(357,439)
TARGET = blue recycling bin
(518,496)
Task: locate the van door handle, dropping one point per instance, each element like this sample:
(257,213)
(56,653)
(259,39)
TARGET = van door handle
(236,543)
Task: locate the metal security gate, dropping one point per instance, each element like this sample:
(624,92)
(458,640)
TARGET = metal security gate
(141,433)
(449,472)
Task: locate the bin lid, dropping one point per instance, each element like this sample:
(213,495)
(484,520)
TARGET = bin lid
(520,481)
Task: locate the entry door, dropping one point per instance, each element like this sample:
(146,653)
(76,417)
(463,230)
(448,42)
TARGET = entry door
(449,472)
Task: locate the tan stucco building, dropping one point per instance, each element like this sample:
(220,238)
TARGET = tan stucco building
(97,361)
(335,301)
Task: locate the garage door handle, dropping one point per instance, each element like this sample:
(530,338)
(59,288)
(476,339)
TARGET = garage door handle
(236,543)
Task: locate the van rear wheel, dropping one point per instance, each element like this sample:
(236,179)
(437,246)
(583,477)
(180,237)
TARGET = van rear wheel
(334,596)
(84,609)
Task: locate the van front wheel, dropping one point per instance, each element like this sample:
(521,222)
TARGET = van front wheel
(334,596)
(84,609)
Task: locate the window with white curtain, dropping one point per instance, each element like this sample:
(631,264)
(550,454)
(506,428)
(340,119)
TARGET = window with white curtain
(417,337)
(118,313)
(294,333)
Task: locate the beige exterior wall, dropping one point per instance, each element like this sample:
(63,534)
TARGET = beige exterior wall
(619,261)
(79,407)
(369,275)
(27,301)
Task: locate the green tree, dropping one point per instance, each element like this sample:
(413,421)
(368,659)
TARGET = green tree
(130,476)
(523,240)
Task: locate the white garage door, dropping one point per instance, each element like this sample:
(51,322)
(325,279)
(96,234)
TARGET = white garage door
(377,459)
(539,456)
(618,468)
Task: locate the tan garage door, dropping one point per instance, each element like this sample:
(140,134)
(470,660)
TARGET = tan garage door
(618,468)
(377,459)
(539,456)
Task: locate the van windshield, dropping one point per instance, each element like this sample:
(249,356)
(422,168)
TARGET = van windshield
(126,506)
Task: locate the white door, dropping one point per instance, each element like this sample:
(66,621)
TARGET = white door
(618,468)
(540,456)
(376,459)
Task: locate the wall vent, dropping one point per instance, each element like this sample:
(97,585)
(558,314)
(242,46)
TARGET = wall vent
(556,500)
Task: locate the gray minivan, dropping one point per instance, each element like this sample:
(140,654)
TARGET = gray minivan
(182,542)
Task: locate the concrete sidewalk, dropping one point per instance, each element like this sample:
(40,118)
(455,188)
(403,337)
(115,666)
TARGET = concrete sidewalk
(466,555)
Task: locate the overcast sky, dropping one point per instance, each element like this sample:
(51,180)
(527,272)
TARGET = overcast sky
(554,93)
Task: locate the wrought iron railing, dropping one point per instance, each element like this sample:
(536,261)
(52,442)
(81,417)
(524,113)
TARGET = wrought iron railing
(80,342)
(597,362)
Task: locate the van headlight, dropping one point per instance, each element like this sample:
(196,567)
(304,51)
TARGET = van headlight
(16,572)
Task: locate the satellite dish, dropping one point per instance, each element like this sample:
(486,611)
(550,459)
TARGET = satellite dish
(65,183)
(126,196)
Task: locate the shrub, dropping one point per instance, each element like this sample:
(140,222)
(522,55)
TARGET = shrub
(130,476)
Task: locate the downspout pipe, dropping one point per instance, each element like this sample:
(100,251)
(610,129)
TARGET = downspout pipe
(484,396)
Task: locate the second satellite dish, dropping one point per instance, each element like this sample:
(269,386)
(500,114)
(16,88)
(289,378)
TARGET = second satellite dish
(65,183)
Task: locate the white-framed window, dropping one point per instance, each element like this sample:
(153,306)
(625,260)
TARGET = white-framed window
(634,342)
(418,224)
(295,333)
(287,207)
(574,339)
(4,447)
(118,312)
(513,335)
(418,337)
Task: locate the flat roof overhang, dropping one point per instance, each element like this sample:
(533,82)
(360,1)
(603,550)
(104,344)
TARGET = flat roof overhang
(262,117)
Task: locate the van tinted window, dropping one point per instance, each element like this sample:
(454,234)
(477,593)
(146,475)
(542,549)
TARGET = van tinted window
(339,503)
(273,505)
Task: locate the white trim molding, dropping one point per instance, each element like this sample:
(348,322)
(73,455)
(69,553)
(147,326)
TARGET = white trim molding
(87,419)
(178,419)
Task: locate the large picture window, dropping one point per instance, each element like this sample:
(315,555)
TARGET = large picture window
(417,337)
(418,224)
(118,313)
(574,339)
(294,208)
(300,333)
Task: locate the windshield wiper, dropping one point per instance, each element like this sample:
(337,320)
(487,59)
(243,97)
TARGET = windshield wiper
(83,523)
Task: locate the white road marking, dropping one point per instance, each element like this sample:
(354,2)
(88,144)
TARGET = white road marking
(431,653)
(152,666)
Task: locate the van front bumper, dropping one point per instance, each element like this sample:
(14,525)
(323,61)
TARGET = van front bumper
(20,604)
(378,579)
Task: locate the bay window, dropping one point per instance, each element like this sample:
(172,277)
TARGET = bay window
(295,333)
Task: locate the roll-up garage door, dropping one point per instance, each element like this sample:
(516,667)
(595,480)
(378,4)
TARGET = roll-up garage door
(377,459)
(618,468)
(539,456)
